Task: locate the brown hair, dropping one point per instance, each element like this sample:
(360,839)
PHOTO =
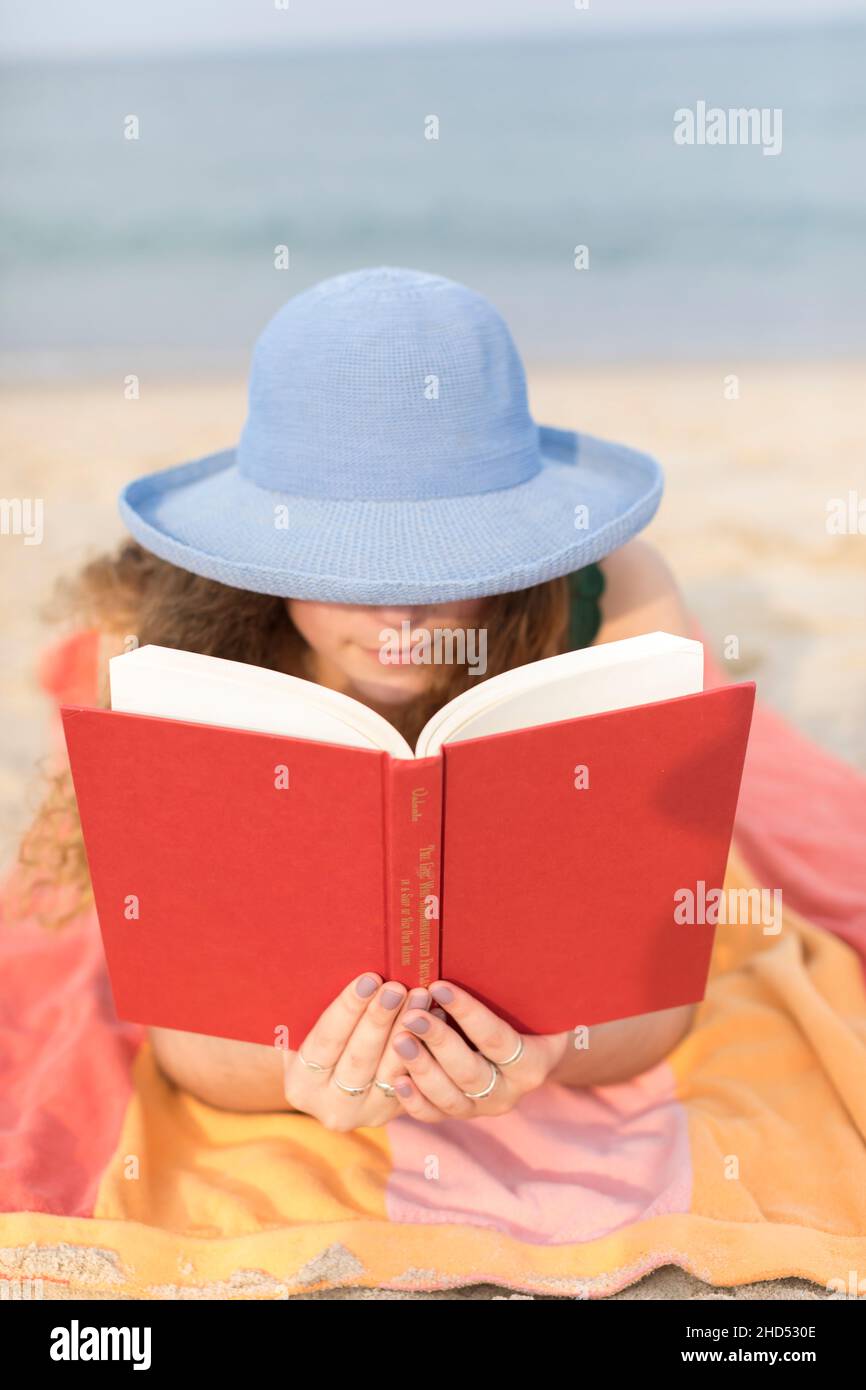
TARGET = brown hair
(132,593)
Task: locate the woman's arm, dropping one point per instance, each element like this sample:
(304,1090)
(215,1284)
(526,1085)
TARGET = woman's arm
(640,595)
(222,1072)
(620,1050)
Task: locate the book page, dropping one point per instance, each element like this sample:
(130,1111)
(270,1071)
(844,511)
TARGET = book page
(172,684)
(614,675)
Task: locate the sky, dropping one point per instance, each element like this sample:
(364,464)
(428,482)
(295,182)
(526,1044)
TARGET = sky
(58,29)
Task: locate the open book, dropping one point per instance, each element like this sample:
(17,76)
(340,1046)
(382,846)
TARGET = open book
(256,840)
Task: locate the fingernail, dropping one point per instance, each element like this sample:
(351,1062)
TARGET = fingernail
(418,1025)
(407,1048)
(391,998)
(404,1090)
(419,999)
(438,1013)
(366,986)
(442,994)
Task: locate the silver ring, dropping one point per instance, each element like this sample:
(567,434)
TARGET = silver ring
(384,1086)
(515,1056)
(314,1066)
(352,1090)
(479,1095)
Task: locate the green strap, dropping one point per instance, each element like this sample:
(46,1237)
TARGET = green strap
(587,586)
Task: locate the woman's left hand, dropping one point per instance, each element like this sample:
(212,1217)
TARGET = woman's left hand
(441,1068)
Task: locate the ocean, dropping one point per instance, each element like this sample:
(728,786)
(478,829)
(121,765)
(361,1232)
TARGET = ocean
(118,253)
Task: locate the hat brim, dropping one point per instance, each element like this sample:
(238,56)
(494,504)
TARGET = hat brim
(206,517)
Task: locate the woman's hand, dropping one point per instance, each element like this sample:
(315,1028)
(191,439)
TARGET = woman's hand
(342,1072)
(443,1068)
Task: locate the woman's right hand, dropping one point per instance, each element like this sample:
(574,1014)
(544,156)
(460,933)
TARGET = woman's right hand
(350,1043)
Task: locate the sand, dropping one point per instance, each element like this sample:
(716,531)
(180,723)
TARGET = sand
(743,526)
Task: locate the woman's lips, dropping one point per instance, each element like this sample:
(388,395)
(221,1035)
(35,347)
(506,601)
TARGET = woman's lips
(405,658)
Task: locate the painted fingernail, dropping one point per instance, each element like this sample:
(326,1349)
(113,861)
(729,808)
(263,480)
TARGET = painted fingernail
(391,998)
(438,1013)
(404,1090)
(418,1025)
(442,994)
(407,1048)
(366,986)
(419,999)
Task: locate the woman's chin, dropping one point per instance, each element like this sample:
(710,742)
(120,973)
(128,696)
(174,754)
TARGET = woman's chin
(397,691)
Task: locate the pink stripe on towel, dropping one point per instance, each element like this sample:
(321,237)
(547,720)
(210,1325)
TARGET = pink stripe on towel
(565,1165)
(801,822)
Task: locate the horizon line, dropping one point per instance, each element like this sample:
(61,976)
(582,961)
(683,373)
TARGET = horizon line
(716,27)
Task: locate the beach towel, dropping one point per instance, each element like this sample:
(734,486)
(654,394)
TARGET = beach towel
(740,1157)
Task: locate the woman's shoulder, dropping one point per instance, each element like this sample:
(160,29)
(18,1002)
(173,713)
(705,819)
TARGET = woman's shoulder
(640,594)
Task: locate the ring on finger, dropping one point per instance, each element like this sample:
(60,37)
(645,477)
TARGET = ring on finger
(515,1056)
(384,1086)
(479,1095)
(314,1066)
(352,1090)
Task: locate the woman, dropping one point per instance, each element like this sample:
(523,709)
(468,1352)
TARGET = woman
(389,472)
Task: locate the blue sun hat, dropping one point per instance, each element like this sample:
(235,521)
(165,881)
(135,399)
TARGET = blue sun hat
(389,457)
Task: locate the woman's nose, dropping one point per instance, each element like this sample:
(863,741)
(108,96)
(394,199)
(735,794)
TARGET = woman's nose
(406,613)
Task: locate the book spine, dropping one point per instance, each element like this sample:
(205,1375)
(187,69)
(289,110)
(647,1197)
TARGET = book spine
(413,859)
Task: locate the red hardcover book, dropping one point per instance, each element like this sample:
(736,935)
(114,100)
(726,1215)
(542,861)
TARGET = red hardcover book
(243,878)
